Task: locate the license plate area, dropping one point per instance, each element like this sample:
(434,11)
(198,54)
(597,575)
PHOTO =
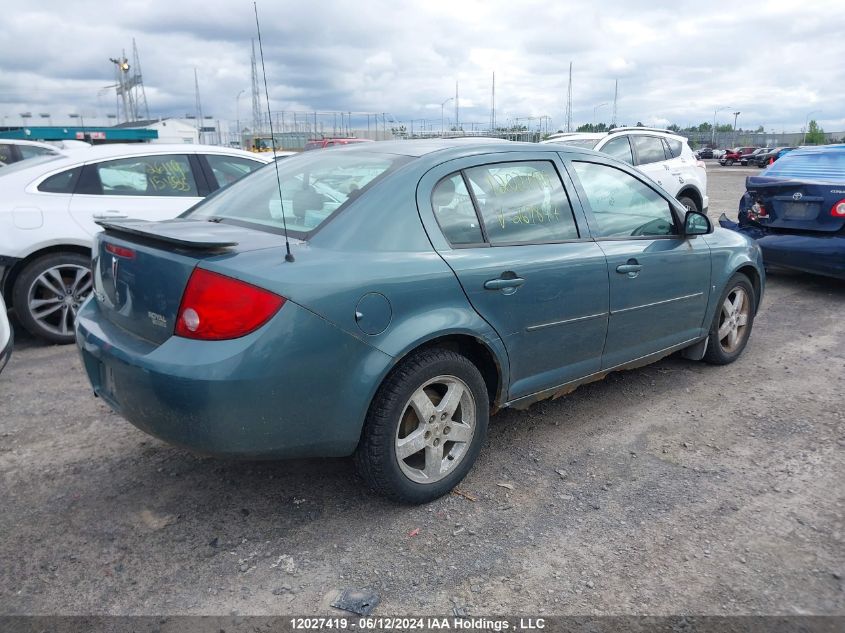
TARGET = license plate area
(799,210)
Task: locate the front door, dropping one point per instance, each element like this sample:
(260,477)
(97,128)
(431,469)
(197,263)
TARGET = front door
(521,257)
(659,280)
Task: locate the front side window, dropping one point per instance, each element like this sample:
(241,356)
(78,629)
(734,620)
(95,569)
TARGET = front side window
(620,149)
(454,211)
(622,205)
(649,149)
(522,203)
(314,187)
(228,169)
(168,175)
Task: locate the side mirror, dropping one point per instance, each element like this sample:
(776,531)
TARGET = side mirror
(696,223)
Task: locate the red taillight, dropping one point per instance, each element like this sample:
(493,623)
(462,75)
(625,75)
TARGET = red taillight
(838,209)
(120,251)
(215,307)
(758,211)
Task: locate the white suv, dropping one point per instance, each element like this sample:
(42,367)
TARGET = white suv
(660,154)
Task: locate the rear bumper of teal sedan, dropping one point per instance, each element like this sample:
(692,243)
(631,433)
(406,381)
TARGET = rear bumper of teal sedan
(297,387)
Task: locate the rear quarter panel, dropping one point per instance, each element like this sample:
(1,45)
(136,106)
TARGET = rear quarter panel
(732,252)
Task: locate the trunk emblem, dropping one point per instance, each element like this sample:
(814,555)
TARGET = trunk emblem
(797,195)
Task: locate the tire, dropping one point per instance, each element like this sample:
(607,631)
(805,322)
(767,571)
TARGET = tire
(729,162)
(395,423)
(723,351)
(689,203)
(48,293)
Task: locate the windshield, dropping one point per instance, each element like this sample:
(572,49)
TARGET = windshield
(810,165)
(314,186)
(587,143)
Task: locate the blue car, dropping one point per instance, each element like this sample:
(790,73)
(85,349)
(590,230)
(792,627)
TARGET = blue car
(383,300)
(795,210)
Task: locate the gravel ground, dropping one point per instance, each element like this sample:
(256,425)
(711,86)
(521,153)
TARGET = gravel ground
(676,488)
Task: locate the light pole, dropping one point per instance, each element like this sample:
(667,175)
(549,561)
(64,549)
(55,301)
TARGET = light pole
(807,123)
(238,118)
(442,106)
(713,129)
(594,113)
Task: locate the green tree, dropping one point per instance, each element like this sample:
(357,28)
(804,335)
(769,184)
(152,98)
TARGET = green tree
(674,127)
(705,128)
(815,134)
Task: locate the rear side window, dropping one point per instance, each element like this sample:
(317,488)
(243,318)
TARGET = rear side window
(522,203)
(622,205)
(675,146)
(228,169)
(649,149)
(620,149)
(168,175)
(454,211)
(63,182)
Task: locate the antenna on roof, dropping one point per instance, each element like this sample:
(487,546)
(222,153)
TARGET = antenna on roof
(288,255)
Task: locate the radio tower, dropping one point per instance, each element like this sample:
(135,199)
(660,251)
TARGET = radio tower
(569,101)
(129,87)
(198,107)
(493,106)
(257,119)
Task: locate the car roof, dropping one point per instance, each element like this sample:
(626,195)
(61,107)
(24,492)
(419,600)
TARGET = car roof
(16,141)
(463,145)
(122,150)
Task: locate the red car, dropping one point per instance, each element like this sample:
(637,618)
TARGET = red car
(320,143)
(735,155)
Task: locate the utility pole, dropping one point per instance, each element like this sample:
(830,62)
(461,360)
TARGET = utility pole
(457,124)
(736,114)
(493,106)
(613,121)
(569,101)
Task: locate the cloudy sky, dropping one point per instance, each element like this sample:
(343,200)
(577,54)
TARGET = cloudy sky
(774,61)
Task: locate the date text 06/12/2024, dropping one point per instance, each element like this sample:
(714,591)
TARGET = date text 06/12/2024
(416,623)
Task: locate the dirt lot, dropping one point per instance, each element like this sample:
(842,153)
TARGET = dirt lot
(675,488)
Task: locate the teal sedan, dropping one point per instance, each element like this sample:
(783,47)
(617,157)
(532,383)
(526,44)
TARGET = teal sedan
(383,300)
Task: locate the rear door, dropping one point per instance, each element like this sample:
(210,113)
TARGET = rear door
(154,187)
(659,280)
(516,239)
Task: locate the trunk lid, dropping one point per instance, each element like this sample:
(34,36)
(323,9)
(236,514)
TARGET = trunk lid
(794,205)
(141,269)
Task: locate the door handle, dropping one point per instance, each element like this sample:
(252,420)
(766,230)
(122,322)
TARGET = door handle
(502,283)
(110,215)
(627,269)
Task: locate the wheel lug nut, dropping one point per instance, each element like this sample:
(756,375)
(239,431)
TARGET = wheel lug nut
(446,431)
(443,416)
(427,434)
(431,419)
(437,441)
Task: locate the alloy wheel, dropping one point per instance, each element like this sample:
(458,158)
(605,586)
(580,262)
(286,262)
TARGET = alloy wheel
(435,430)
(733,319)
(55,296)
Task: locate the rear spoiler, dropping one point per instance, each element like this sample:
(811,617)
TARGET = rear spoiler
(190,234)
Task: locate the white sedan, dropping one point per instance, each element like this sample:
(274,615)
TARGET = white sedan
(49,207)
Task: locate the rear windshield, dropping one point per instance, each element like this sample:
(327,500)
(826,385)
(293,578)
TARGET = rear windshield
(22,165)
(314,187)
(810,165)
(587,143)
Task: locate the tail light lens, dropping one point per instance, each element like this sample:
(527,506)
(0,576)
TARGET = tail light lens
(758,211)
(701,163)
(215,307)
(838,209)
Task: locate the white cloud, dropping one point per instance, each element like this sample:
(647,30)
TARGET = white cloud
(675,63)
